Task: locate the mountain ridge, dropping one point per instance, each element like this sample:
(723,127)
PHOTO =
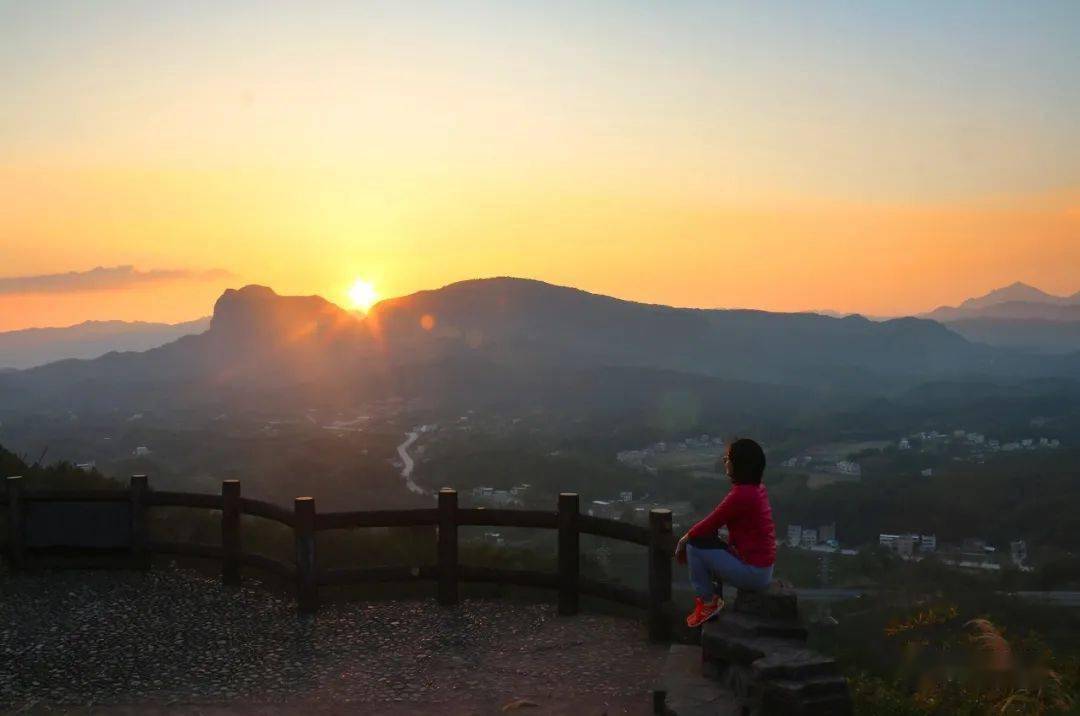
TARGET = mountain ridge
(484,337)
(30,347)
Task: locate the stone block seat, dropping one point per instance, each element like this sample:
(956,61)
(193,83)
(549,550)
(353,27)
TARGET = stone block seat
(756,651)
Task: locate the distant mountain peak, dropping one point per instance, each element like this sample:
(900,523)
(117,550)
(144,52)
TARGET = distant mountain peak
(1015,292)
(1018,301)
(252,289)
(256,297)
(261,313)
(508,284)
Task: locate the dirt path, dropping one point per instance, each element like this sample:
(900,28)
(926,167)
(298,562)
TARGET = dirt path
(171,641)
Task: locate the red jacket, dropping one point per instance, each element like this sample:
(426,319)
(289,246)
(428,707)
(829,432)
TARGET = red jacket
(746,512)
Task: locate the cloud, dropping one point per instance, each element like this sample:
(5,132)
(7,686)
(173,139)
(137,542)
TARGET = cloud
(102,278)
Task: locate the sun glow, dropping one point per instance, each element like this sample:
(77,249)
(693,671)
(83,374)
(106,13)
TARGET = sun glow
(362,294)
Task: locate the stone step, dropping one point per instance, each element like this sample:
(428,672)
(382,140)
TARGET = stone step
(794,664)
(778,601)
(756,650)
(688,691)
(827,705)
(720,645)
(769,657)
(795,690)
(740,624)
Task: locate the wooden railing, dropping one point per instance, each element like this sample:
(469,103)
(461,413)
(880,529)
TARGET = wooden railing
(448,573)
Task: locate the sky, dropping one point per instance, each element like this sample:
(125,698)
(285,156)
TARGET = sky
(879,157)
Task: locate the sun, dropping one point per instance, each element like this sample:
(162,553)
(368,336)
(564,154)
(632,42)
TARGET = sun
(362,294)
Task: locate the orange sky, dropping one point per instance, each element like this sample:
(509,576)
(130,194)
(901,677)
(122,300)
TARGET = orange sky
(882,259)
(700,155)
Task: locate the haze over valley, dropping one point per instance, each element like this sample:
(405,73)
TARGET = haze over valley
(295,394)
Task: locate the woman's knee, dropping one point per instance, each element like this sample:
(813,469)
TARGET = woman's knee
(757,580)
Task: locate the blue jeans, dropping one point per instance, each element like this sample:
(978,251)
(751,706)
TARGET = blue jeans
(708,564)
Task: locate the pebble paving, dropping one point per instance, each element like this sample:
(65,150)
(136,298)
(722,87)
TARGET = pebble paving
(173,639)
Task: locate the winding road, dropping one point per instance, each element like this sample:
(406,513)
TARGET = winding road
(408,464)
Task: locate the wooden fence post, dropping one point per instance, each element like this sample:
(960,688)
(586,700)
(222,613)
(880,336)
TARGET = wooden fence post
(448,547)
(307,589)
(230,532)
(660,549)
(137,490)
(16,523)
(569,553)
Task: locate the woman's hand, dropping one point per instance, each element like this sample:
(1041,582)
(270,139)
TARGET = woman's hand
(680,549)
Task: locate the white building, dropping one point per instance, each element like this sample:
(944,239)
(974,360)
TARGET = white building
(794,535)
(902,544)
(846,467)
(626,496)
(928,472)
(928,543)
(140,451)
(809,539)
(904,444)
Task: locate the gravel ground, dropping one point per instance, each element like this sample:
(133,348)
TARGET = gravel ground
(172,640)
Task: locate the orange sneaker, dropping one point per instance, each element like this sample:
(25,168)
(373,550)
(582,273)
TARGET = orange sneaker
(704,611)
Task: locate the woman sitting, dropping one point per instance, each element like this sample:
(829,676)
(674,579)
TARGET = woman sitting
(747,562)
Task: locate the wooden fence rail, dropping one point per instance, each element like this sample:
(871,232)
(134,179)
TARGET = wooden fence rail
(447,572)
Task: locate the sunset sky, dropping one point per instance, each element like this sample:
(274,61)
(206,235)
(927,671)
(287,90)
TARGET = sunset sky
(878,157)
